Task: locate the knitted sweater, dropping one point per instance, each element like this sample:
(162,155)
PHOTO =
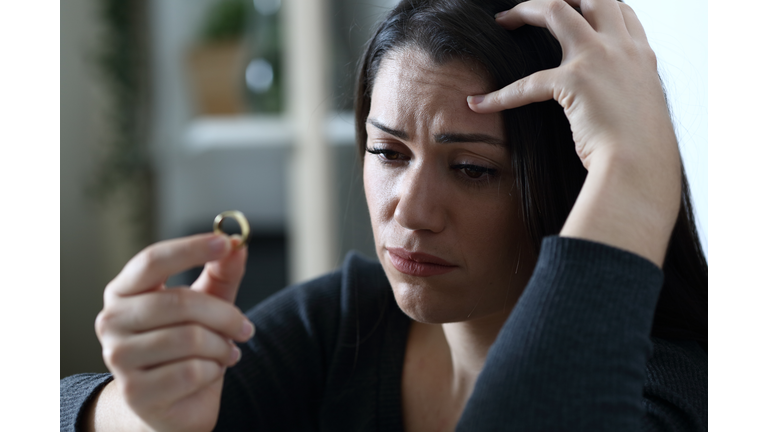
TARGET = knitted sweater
(575,354)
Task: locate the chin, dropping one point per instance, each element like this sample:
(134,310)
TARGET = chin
(429,304)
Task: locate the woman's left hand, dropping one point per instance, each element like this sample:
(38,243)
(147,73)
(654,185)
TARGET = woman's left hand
(609,88)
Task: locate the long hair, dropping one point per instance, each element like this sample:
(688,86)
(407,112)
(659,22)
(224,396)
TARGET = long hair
(549,174)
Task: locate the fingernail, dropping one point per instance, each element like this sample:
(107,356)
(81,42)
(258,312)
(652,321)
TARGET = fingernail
(474,100)
(500,14)
(247,331)
(217,244)
(235,355)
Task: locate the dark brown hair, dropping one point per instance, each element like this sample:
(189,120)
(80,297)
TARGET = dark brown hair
(549,174)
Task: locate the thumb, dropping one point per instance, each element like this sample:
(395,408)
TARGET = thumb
(221,278)
(537,87)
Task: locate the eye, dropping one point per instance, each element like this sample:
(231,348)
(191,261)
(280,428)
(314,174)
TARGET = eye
(474,172)
(386,154)
(389,155)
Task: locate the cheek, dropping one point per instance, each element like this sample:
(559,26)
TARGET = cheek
(378,192)
(370,186)
(493,229)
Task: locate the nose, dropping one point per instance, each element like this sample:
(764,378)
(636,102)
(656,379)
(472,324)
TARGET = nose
(419,205)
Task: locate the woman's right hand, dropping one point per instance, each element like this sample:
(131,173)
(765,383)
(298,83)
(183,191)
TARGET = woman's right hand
(609,88)
(168,348)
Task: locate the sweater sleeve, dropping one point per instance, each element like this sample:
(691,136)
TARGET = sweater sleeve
(75,392)
(572,355)
(675,391)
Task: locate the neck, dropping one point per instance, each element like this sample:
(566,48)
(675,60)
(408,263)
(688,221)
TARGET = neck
(469,342)
(442,363)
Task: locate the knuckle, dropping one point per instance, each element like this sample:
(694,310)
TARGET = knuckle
(103,323)
(147,257)
(106,354)
(496,98)
(192,373)
(110,287)
(193,337)
(554,7)
(649,55)
(625,8)
(141,260)
(601,52)
(234,319)
(130,388)
(225,352)
(500,97)
(578,73)
(237,322)
(114,355)
(520,88)
(643,52)
(99,325)
(177,299)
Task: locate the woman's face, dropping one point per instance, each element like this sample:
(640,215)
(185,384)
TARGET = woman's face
(440,192)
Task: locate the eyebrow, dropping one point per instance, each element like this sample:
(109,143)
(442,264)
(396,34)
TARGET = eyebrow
(443,138)
(471,138)
(394,132)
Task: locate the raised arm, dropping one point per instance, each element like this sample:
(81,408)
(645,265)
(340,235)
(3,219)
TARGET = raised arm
(609,88)
(572,355)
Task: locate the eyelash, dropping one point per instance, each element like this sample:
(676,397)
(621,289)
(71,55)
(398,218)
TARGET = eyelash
(486,174)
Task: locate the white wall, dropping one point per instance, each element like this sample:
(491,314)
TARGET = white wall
(677,32)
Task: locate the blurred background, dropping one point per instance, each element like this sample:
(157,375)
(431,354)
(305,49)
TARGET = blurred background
(175,110)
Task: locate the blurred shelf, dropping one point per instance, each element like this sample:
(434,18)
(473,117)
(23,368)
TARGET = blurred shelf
(213,133)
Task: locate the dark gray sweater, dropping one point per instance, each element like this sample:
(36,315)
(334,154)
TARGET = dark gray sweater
(575,354)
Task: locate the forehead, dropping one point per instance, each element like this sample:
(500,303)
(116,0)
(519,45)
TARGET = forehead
(411,91)
(412,65)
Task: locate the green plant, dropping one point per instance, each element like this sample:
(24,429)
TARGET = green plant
(227,19)
(124,169)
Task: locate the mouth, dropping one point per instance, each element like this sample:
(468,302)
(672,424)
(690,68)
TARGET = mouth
(417,263)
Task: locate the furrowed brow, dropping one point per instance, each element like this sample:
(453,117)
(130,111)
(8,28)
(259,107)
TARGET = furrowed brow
(443,138)
(394,132)
(447,138)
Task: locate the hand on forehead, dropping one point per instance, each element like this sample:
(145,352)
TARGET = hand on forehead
(412,93)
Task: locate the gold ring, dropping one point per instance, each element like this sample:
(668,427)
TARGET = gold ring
(240,218)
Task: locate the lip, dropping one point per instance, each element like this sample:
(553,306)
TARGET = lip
(417,263)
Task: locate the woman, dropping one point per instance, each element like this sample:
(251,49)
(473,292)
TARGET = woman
(473,320)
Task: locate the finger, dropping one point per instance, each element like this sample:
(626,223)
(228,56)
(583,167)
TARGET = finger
(168,383)
(150,267)
(168,345)
(221,278)
(603,15)
(171,307)
(632,22)
(537,87)
(565,24)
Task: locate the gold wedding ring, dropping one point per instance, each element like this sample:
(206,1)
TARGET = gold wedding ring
(245,229)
